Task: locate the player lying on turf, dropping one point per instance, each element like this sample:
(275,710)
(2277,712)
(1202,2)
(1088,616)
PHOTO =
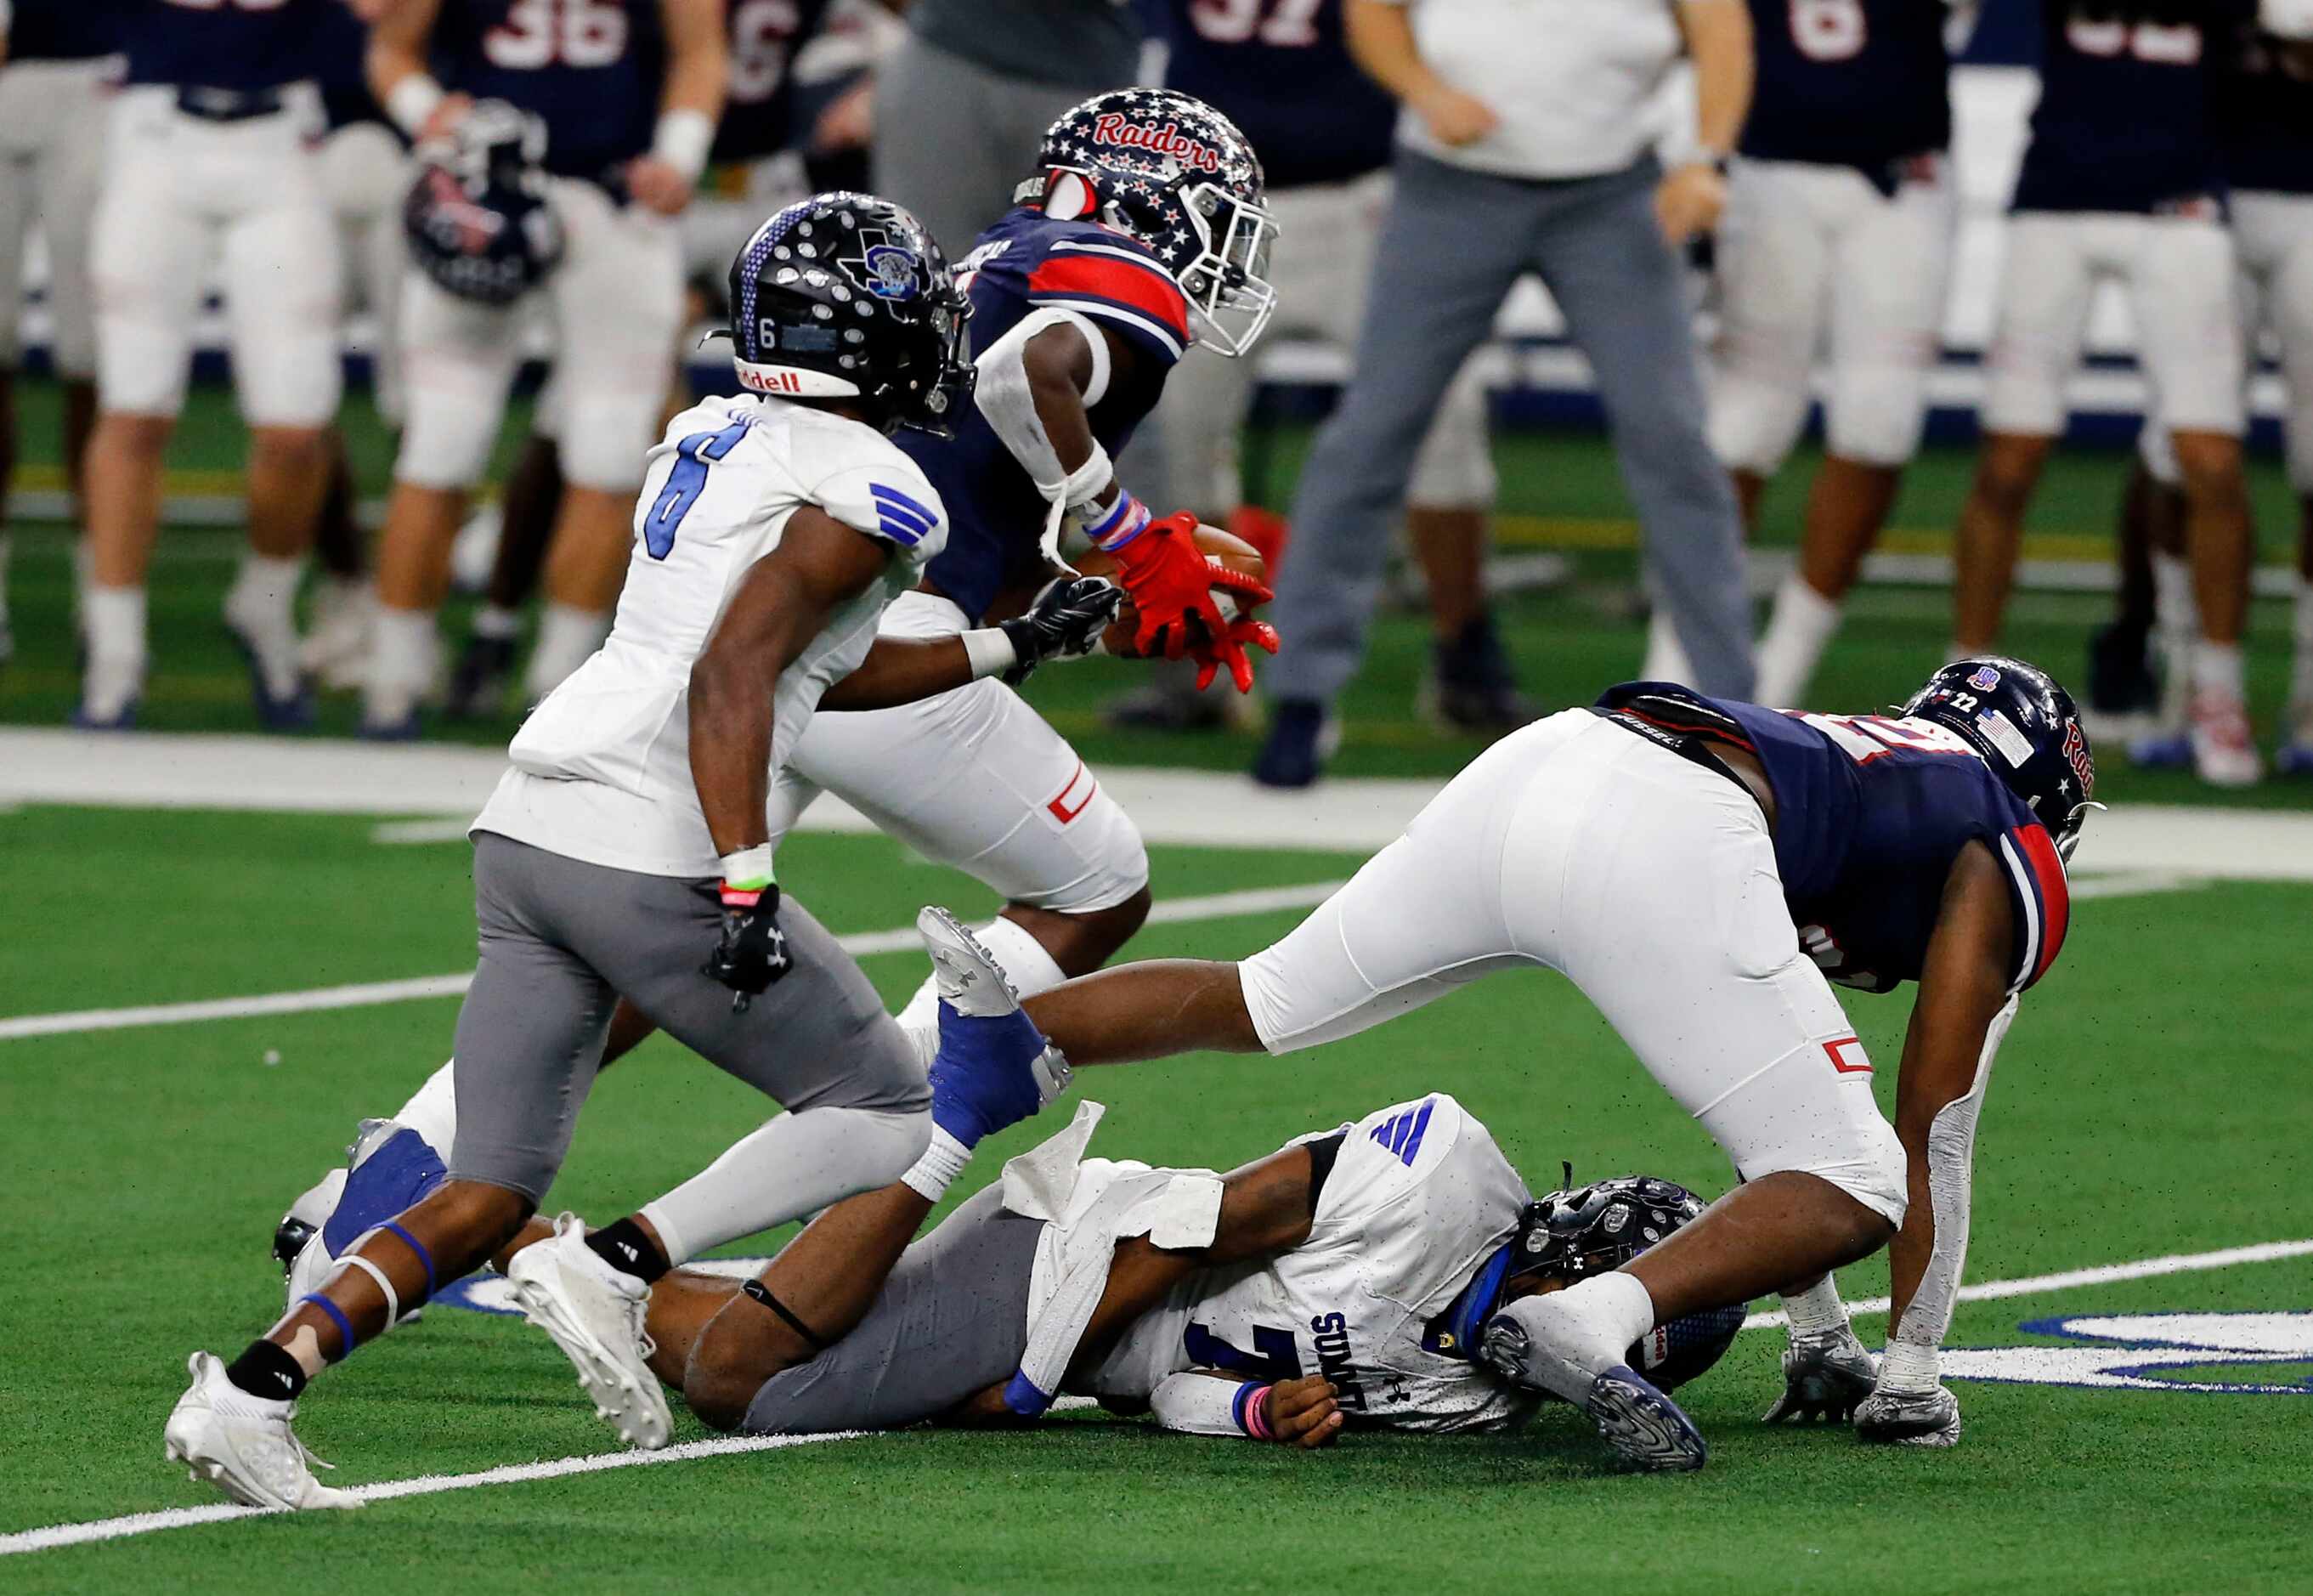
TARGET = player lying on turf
(1698,869)
(771,530)
(1340,1282)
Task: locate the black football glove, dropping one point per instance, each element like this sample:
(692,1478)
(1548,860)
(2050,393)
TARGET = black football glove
(751,953)
(1064,622)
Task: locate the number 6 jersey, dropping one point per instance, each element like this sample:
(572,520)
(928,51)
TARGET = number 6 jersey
(602,769)
(1418,1196)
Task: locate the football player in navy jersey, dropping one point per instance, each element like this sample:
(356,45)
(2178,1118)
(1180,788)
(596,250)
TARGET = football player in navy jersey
(1701,871)
(1281,70)
(211,156)
(628,92)
(1840,212)
(2122,180)
(55,59)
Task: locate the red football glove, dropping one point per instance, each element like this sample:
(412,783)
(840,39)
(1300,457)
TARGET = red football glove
(1170,579)
(1228,649)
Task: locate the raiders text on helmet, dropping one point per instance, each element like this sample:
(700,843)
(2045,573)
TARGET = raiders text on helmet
(478,217)
(1176,174)
(2027,730)
(845,295)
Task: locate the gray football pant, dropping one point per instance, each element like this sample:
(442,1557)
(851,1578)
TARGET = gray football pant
(951,1320)
(1455,243)
(561,940)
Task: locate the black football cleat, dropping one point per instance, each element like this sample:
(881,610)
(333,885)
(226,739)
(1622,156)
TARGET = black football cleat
(1299,733)
(477,687)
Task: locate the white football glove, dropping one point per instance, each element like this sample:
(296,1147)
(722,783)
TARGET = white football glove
(1910,1418)
(1827,1373)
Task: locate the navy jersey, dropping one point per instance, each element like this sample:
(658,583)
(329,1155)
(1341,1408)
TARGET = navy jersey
(1869,815)
(590,69)
(223,46)
(1849,83)
(68,30)
(996,515)
(2264,117)
(2122,122)
(760,114)
(1280,70)
(346,98)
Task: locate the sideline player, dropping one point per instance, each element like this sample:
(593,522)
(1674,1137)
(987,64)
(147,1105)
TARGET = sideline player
(211,156)
(1840,211)
(628,92)
(1699,869)
(56,59)
(2122,181)
(772,531)
(1324,131)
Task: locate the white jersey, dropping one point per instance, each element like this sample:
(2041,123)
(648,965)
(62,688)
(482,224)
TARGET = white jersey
(602,769)
(1418,1199)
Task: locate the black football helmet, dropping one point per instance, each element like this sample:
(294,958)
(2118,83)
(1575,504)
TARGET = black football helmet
(1169,170)
(1571,1235)
(845,295)
(2027,729)
(478,217)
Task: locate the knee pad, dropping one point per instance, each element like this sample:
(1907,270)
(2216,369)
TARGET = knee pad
(447,443)
(1111,861)
(1753,421)
(1875,416)
(604,437)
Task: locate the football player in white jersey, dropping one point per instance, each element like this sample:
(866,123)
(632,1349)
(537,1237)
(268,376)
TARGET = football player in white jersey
(1339,1282)
(629,840)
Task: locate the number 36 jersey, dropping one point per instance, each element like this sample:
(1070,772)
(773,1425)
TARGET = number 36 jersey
(1418,1198)
(602,769)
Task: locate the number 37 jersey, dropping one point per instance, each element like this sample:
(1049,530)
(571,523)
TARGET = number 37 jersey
(602,769)
(1418,1198)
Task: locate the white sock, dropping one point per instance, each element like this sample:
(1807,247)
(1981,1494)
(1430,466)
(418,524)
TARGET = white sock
(795,1165)
(1665,659)
(1796,632)
(264,591)
(407,651)
(1816,1309)
(496,620)
(432,1110)
(567,635)
(1020,956)
(115,619)
(2217,669)
(2301,678)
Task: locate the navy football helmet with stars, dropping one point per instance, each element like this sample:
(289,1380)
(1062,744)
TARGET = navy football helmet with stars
(476,217)
(1172,171)
(2027,730)
(846,296)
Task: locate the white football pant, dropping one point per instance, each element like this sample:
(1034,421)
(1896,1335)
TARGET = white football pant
(367,175)
(1813,259)
(52,121)
(1648,881)
(181,193)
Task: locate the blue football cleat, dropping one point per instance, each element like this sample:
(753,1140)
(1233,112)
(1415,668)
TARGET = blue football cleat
(2293,759)
(2162,751)
(994,1067)
(123,719)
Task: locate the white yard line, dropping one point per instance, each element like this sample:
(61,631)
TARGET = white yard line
(1992,1291)
(55,1536)
(1219,905)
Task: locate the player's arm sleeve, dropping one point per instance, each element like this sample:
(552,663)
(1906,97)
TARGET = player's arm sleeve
(2039,894)
(1120,288)
(886,497)
(1202,1402)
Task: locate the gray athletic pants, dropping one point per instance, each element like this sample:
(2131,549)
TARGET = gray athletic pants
(951,1320)
(1455,243)
(561,940)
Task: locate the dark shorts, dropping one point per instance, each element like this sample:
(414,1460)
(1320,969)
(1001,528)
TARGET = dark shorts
(951,1320)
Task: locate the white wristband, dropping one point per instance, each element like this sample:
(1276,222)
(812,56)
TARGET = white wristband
(411,101)
(682,140)
(943,1160)
(990,652)
(749,864)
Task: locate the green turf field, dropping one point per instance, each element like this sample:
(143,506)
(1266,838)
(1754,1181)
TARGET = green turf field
(2142,1109)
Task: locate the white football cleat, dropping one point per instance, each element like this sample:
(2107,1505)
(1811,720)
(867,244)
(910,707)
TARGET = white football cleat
(2223,753)
(337,649)
(244,1445)
(972,983)
(594,1313)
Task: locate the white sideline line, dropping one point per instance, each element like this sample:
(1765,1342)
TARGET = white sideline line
(1992,1291)
(54,1536)
(1219,905)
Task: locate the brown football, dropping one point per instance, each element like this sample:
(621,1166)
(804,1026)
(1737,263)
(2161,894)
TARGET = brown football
(1230,549)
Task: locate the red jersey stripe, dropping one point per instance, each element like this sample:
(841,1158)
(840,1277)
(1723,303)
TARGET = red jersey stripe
(1136,287)
(2055,894)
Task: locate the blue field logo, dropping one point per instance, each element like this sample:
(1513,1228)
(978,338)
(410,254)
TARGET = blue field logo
(2155,1351)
